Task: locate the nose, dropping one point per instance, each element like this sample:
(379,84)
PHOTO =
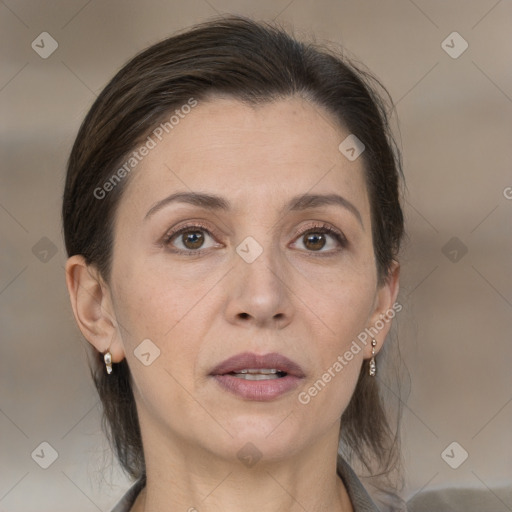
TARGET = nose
(260,292)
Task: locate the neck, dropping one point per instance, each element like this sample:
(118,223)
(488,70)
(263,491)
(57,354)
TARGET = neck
(184,477)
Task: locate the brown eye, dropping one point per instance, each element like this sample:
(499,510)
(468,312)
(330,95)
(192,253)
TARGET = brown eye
(192,239)
(314,241)
(321,239)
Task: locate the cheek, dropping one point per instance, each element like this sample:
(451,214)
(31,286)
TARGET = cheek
(148,309)
(327,395)
(343,300)
(152,300)
(339,356)
(340,297)
(170,307)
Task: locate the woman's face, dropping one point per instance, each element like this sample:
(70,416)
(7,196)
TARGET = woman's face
(267,249)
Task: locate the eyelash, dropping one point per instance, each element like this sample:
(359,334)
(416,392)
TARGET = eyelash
(197,226)
(188,227)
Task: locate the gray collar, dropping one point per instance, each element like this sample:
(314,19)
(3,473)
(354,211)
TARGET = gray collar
(361,501)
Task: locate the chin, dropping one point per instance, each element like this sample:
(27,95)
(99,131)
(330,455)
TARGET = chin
(268,436)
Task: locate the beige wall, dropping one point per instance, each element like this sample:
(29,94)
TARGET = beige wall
(456,127)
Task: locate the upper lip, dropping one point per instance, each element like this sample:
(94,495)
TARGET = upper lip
(248,361)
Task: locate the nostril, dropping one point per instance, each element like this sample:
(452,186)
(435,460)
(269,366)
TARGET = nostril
(244,315)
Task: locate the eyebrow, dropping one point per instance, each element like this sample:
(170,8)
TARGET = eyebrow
(214,202)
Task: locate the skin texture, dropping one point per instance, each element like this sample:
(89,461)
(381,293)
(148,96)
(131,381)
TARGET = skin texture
(304,300)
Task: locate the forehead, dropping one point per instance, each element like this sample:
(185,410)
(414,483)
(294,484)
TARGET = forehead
(249,153)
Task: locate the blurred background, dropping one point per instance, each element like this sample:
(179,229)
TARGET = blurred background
(447,65)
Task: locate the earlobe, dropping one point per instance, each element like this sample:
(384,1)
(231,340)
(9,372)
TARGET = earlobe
(92,307)
(385,307)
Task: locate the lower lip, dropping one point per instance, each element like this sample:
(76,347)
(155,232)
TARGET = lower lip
(259,390)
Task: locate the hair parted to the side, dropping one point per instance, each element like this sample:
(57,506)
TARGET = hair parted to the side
(255,63)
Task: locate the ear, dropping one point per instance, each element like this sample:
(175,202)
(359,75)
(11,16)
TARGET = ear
(92,306)
(385,309)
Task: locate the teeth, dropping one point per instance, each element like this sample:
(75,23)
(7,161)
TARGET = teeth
(257,376)
(264,371)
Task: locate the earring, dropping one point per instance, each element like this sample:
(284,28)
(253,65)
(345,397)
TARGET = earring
(373,367)
(108,361)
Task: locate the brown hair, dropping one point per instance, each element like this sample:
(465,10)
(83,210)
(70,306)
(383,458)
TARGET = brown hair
(253,62)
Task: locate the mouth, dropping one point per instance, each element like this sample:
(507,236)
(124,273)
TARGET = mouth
(258,377)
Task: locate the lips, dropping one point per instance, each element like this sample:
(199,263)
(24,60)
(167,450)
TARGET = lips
(249,361)
(258,377)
